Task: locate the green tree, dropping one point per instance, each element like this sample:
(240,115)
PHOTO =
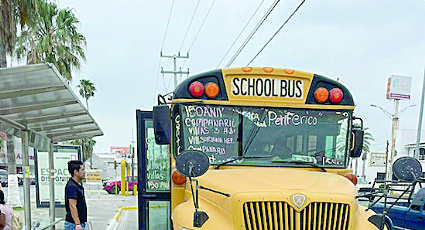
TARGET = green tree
(12,13)
(52,36)
(367,141)
(87,90)
(341,140)
(87,145)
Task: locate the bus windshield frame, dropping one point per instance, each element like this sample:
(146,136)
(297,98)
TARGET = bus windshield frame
(263,136)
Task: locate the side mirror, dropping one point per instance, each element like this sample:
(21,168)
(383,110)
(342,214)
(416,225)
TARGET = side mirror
(192,163)
(162,124)
(357,143)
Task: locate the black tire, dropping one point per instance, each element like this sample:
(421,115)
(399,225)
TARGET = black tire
(113,190)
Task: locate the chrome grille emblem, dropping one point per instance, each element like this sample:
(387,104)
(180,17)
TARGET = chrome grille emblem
(298,200)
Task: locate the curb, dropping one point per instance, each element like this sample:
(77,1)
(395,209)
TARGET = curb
(113,223)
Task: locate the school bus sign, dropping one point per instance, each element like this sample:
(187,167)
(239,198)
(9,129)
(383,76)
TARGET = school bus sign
(94,176)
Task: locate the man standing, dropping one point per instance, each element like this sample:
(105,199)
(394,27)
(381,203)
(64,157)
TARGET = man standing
(75,202)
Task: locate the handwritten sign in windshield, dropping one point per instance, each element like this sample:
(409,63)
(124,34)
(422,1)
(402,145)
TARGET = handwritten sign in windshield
(225,132)
(210,129)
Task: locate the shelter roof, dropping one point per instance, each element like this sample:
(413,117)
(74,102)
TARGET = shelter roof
(38,98)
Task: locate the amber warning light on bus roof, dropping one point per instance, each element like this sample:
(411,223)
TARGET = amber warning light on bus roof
(321,95)
(247,69)
(289,71)
(211,90)
(268,69)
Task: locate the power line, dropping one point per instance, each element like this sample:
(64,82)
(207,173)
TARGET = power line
(162,46)
(253,32)
(200,28)
(168,23)
(234,42)
(276,32)
(190,24)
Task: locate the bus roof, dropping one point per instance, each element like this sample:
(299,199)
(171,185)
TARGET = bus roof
(266,86)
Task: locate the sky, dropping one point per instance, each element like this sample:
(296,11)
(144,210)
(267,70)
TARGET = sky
(360,42)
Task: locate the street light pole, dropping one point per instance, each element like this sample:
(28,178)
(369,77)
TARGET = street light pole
(395,119)
(393,139)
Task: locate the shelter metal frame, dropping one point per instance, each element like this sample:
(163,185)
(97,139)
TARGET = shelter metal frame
(38,105)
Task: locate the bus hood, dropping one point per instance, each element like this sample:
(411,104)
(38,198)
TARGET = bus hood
(272,184)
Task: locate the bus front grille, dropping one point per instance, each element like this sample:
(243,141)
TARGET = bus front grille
(281,216)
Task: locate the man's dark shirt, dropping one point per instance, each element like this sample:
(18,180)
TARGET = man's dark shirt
(73,190)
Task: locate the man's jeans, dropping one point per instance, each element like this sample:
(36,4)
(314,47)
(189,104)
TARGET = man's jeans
(71,226)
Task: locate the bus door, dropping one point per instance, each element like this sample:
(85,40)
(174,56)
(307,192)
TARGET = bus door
(154,177)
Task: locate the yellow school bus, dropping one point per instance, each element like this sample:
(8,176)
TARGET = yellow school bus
(278,143)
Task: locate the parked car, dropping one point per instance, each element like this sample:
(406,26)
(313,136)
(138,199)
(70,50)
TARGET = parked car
(21,178)
(364,188)
(110,185)
(405,216)
(3,177)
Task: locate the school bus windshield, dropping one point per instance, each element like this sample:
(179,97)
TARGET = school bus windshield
(263,136)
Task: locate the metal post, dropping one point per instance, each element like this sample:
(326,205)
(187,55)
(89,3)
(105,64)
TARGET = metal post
(26,167)
(393,139)
(132,166)
(421,112)
(52,185)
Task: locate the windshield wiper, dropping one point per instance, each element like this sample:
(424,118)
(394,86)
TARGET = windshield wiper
(240,158)
(302,163)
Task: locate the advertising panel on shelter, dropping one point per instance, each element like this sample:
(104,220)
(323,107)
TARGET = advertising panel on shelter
(61,155)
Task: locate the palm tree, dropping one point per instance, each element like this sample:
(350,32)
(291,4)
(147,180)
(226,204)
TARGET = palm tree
(87,89)
(52,37)
(367,141)
(87,145)
(12,13)
(341,140)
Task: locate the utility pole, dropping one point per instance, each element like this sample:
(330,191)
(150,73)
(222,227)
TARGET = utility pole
(175,72)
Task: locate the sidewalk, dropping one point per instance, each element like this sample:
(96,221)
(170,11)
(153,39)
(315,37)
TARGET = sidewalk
(101,208)
(128,220)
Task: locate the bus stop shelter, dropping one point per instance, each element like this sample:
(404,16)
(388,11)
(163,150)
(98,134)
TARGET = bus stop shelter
(38,105)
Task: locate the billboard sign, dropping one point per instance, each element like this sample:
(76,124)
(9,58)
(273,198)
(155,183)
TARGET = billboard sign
(61,156)
(399,87)
(120,151)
